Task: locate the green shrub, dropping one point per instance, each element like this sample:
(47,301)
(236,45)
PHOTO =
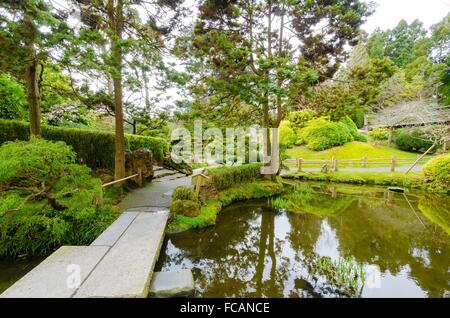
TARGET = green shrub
(357,115)
(379,133)
(438,169)
(212,207)
(353,129)
(412,139)
(93,148)
(187,208)
(227,177)
(321,134)
(299,118)
(158,146)
(46,200)
(184,193)
(287,136)
(12,98)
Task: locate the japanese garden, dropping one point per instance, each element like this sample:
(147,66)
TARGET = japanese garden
(236,148)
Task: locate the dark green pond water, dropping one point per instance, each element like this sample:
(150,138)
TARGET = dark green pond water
(12,270)
(256,250)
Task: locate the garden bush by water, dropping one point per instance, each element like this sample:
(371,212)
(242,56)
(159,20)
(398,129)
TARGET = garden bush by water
(329,241)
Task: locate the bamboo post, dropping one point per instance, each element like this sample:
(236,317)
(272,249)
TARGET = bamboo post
(393,163)
(364,162)
(420,157)
(299,164)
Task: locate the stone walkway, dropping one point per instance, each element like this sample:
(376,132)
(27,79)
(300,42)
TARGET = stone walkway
(155,194)
(120,262)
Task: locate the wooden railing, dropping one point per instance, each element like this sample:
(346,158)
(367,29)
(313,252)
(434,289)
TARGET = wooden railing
(139,180)
(364,162)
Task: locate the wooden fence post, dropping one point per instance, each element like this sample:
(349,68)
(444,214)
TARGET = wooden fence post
(364,162)
(393,162)
(299,164)
(335,164)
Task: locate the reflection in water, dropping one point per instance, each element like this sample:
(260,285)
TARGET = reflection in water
(256,250)
(12,270)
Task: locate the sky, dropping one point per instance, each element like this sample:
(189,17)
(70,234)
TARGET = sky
(390,12)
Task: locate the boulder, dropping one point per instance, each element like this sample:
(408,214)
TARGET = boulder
(139,160)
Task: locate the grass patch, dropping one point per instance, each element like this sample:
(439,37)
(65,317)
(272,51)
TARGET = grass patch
(211,208)
(415,180)
(351,150)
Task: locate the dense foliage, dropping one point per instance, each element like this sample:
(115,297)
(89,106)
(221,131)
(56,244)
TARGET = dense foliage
(46,200)
(412,139)
(438,170)
(287,135)
(93,148)
(321,134)
(227,177)
(353,129)
(379,133)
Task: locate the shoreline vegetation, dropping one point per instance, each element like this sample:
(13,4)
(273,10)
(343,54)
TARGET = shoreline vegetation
(211,208)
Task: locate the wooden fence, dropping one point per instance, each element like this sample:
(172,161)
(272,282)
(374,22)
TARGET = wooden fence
(333,164)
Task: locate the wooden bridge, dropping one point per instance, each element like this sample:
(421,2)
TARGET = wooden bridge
(119,263)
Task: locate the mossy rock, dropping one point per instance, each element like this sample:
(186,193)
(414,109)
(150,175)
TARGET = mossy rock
(185,207)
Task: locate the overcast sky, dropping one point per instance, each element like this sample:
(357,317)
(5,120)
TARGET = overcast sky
(390,12)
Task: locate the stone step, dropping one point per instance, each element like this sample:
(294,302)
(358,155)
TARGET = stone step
(164,173)
(126,270)
(157,168)
(59,275)
(179,283)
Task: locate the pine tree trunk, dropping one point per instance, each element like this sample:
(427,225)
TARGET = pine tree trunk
(34,99)
(115,15)
(119,162)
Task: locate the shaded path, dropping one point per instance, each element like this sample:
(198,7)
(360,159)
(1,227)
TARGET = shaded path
(158,193)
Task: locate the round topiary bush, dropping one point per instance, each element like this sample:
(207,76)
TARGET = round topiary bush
(353,129)
(320,134)
(287,136)
(438,169)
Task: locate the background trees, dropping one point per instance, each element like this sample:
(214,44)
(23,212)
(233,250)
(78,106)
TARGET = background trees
(30,31)
(264,55)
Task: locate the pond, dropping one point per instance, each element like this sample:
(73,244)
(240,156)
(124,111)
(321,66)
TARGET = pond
(400,242)
(12,270)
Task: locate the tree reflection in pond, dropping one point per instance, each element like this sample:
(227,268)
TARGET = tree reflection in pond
(258,251)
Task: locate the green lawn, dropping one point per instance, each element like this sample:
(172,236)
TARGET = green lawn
(351,150)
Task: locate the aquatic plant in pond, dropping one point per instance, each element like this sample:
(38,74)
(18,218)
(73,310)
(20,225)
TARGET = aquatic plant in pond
(345,273)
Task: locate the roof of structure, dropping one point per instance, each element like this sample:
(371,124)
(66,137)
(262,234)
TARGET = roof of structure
(418,113)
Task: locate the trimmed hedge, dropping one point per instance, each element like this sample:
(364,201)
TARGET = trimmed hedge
(94,148)
(227,177)
(353,129)
(438,169)
(320,134)
(287,136)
